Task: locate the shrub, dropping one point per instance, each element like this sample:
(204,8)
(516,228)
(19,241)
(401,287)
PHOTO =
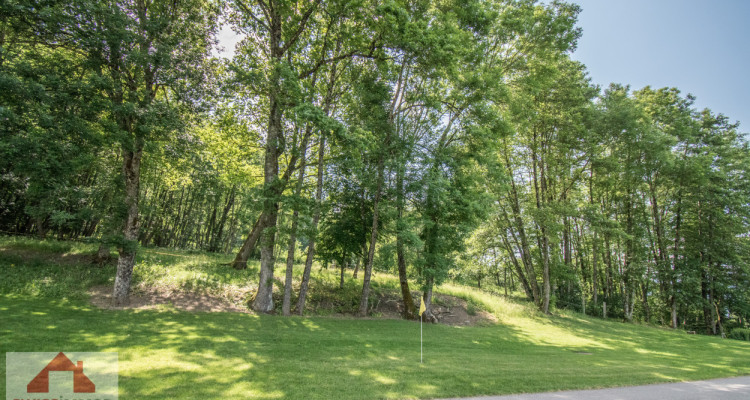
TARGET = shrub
(740,334)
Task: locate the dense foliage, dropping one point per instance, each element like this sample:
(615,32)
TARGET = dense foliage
(437,139)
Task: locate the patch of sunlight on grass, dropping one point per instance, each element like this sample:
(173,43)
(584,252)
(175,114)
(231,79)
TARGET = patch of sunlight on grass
(355,372)
(666,377)
(544,333)
(244,366)
(309,324)
(426,388)
(245,390)
(258,358)
(207,355)
(654,352)
(108,339)
(157,360)
(382,379)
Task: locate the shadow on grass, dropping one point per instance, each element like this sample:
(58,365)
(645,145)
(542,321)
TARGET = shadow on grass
(168,354)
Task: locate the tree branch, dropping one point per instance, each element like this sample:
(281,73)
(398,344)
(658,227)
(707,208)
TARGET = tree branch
(301,28)
(351,54)
(265,8)
(249,12)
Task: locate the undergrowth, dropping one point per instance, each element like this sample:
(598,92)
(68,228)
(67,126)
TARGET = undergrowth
(64,270)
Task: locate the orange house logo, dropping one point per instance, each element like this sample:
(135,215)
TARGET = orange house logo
(81,382)
(61,375)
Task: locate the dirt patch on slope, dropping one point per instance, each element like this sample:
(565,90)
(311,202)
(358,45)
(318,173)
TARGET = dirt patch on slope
(150,298)
(455,311)
(449,310)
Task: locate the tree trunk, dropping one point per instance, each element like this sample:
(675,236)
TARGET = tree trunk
(646,308)
(609,273)
(319,193)
(373,238)
(240,261)
(376,201)
(542,239)
(102,255)
(626,301)
(409,307)
(628,285)
(219,232)
(206,237)
(286,304)
(675,254)
(343,268)
(316,219)
(530,276)
(505,281)
(708,317)
(427,315)
(41,229)
(514,260)
(131,168)
(264,297)
(545,274)
(595,269)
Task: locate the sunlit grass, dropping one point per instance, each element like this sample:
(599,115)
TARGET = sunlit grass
(166,353)
(505,310)
(170,354)
(169,270)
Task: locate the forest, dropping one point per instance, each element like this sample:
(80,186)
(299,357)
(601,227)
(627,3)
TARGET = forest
(439,140)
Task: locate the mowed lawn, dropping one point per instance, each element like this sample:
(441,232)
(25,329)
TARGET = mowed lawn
(171,354)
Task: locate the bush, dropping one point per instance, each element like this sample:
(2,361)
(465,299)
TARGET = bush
(740,334)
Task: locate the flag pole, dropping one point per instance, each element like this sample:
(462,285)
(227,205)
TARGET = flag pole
(421,311)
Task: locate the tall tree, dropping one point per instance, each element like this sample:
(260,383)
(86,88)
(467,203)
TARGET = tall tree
(145,55)
(284,46)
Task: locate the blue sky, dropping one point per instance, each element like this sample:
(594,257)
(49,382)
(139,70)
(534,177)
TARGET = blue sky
(698,46)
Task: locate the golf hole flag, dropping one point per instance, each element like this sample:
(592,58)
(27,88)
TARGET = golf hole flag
(421,352)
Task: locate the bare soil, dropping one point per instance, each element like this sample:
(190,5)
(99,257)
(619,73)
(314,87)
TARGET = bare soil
(449,310)
(454,311)
(150,298)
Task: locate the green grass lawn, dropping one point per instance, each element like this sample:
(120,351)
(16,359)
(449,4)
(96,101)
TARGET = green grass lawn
(170,354)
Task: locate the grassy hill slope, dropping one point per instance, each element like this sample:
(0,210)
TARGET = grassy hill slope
(166,353)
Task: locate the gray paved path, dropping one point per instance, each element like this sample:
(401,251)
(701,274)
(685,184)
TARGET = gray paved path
(717,389)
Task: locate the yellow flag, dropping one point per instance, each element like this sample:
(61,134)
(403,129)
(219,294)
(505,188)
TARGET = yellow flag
(421,307)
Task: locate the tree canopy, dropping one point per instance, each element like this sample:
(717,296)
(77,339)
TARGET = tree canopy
(439,140)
